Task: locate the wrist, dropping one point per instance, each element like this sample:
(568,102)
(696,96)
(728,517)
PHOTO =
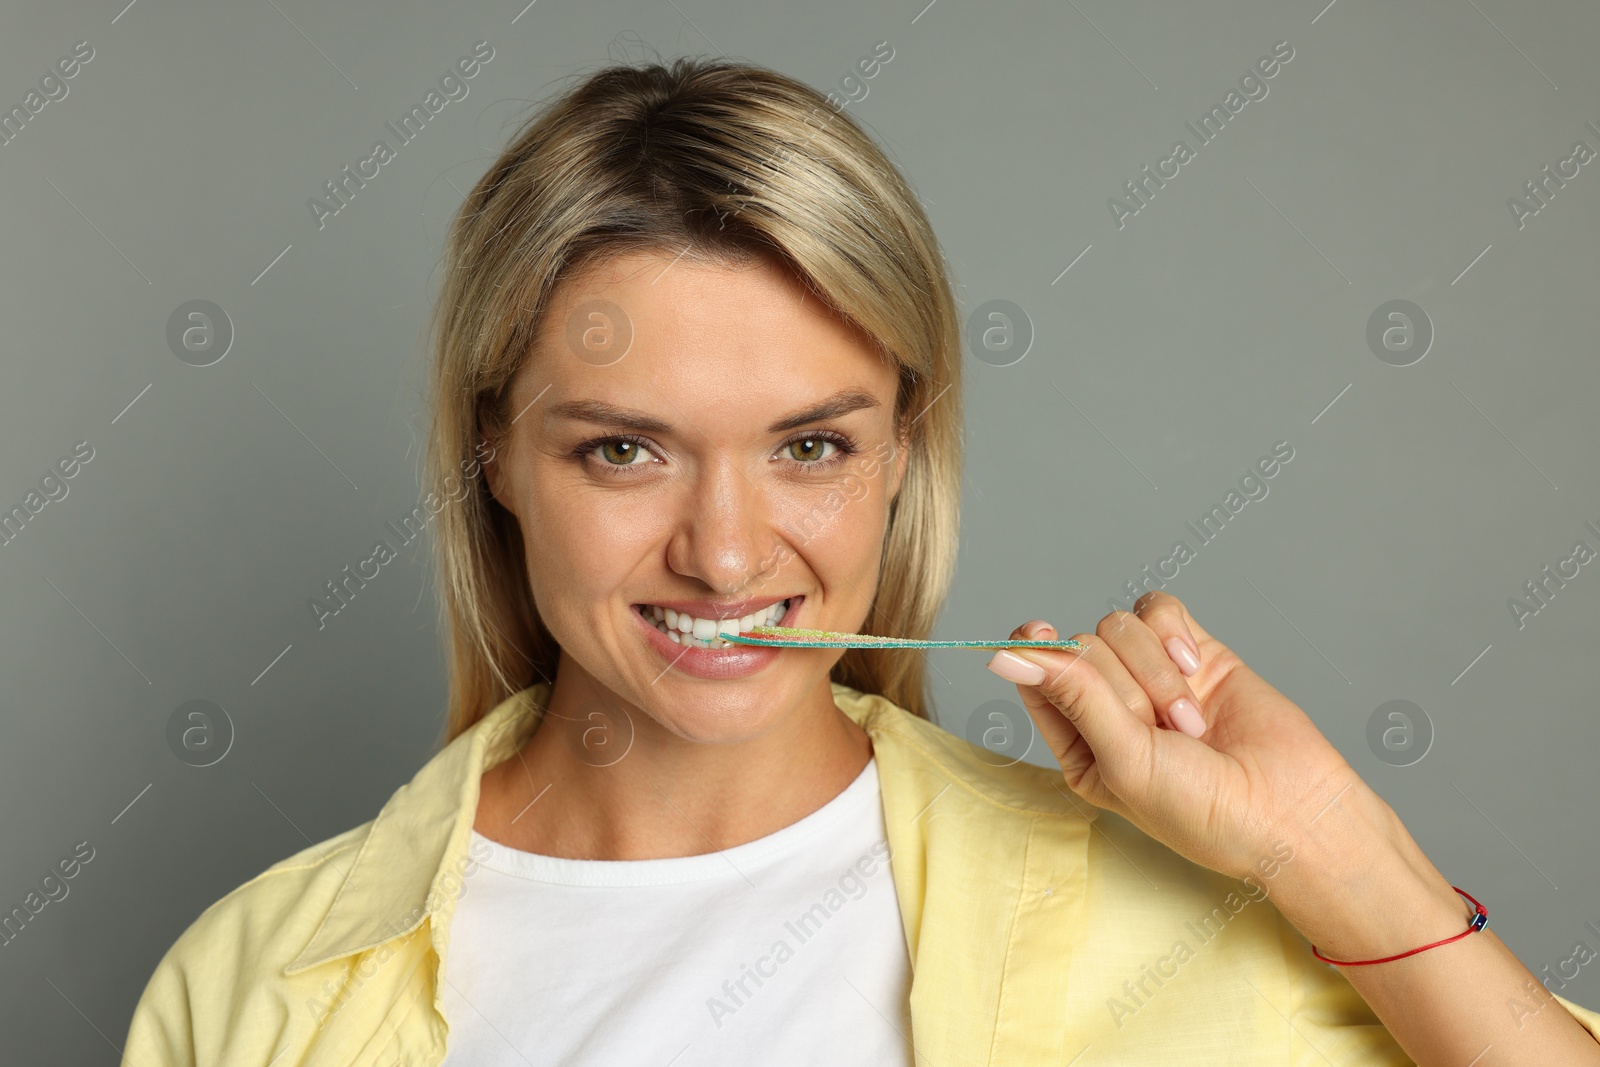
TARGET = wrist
(1361,888)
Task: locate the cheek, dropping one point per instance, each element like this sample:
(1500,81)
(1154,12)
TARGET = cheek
(580,547)
(839,533)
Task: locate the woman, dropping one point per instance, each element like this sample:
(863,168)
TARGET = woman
(697,371)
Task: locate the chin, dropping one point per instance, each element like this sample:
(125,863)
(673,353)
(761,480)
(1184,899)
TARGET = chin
(725,720)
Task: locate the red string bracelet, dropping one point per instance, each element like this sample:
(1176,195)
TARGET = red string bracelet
(1480,919)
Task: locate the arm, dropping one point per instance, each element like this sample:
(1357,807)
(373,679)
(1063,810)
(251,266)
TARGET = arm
(1361,888)
(161,1031)
(1157,720)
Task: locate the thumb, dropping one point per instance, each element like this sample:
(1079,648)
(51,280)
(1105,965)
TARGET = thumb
(1068,698)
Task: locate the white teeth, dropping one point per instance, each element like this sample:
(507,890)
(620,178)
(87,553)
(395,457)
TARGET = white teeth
(684,629)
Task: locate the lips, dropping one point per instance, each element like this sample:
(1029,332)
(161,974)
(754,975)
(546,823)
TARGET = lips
(684,628)
(699,661)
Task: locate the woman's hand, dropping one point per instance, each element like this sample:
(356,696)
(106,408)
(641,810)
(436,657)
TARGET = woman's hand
(1258,774)
(1122,718)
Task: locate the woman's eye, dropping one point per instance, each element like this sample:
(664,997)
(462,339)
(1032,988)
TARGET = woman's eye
(812,450)
(809,449)
(620,452)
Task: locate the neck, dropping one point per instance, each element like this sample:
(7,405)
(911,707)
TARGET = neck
(625,787)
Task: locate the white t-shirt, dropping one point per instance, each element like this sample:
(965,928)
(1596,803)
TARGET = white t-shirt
(786,950)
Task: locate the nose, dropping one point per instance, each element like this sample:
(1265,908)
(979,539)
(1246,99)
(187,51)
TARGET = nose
(723,532)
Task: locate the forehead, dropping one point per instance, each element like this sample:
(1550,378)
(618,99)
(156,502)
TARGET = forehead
(690,339)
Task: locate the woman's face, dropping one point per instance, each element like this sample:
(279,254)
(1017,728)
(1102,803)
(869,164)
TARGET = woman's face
(710,440)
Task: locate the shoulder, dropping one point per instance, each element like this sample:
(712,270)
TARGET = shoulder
(271,917)
(234,950)
(999,782)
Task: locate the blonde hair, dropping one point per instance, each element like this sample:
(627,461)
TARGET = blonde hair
(731,162)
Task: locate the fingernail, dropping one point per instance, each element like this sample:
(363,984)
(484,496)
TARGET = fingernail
(1186,717)
(1014,668)
(1182,655)
(1039,630)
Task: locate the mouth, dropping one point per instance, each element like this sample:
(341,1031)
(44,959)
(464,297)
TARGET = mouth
(691,631)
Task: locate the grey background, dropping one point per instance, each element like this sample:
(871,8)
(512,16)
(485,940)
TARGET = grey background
(1229,314)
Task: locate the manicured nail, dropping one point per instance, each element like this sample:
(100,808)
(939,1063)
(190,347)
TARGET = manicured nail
(1014,668)
(1186,717)
(1182,655)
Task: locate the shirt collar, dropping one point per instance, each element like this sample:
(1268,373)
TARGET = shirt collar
(394,883)
(403,873)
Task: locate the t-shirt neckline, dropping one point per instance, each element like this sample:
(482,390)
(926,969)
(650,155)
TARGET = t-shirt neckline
(853,802)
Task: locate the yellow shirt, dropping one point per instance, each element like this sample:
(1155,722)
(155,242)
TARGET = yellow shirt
(1040,930)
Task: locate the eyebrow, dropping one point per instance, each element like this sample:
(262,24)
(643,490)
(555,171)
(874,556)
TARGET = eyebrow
(598,411)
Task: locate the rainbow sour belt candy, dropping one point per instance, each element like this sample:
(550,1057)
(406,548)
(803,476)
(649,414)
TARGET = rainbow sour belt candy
(799,637)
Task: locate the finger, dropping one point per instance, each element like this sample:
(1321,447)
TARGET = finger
(1178,630)
(1065,685)
(1152,706)
(1151,669)
(1137,700)
(1058,733)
